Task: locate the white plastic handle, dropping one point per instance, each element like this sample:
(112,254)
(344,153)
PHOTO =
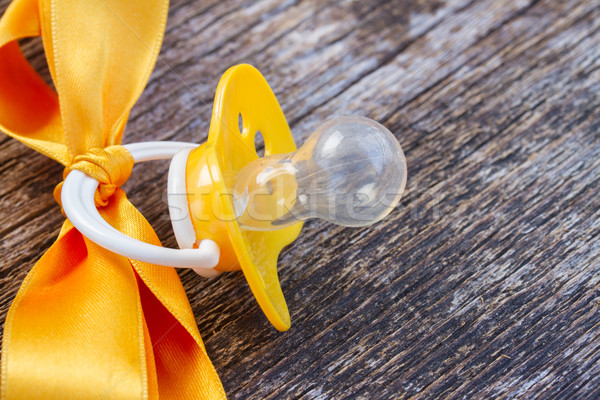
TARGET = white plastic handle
(78,203)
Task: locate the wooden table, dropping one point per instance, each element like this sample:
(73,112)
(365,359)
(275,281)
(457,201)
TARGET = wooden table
(483,283)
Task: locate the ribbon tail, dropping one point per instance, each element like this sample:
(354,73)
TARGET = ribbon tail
(85,324)
(76,328)
(183,367)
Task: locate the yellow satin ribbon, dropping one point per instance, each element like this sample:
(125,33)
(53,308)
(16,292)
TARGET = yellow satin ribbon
(87,323)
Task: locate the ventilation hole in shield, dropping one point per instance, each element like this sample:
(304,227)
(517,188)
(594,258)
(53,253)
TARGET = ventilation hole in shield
(241,123)
(259,144)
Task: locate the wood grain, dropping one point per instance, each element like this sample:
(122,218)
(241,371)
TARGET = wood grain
(484,283)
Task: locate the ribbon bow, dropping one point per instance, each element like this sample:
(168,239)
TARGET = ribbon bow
(87,323)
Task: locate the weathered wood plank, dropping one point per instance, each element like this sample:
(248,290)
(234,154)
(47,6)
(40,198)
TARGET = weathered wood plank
(483,284)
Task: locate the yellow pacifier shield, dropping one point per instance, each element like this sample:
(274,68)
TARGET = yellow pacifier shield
(244,95)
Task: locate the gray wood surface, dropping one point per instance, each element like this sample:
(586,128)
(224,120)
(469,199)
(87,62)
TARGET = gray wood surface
(482,284)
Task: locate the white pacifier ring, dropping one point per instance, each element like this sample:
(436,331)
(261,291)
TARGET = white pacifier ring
(77,197)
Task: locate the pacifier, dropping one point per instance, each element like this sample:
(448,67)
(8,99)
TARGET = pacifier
(231,209)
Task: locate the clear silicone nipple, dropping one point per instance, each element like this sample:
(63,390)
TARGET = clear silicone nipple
(351,171)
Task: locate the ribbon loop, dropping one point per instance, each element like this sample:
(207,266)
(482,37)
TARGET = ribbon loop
(110,166)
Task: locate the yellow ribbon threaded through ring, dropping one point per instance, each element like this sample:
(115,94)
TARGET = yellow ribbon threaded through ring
(110,166)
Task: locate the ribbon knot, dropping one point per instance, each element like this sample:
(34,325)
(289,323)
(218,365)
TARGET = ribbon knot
(110,166)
